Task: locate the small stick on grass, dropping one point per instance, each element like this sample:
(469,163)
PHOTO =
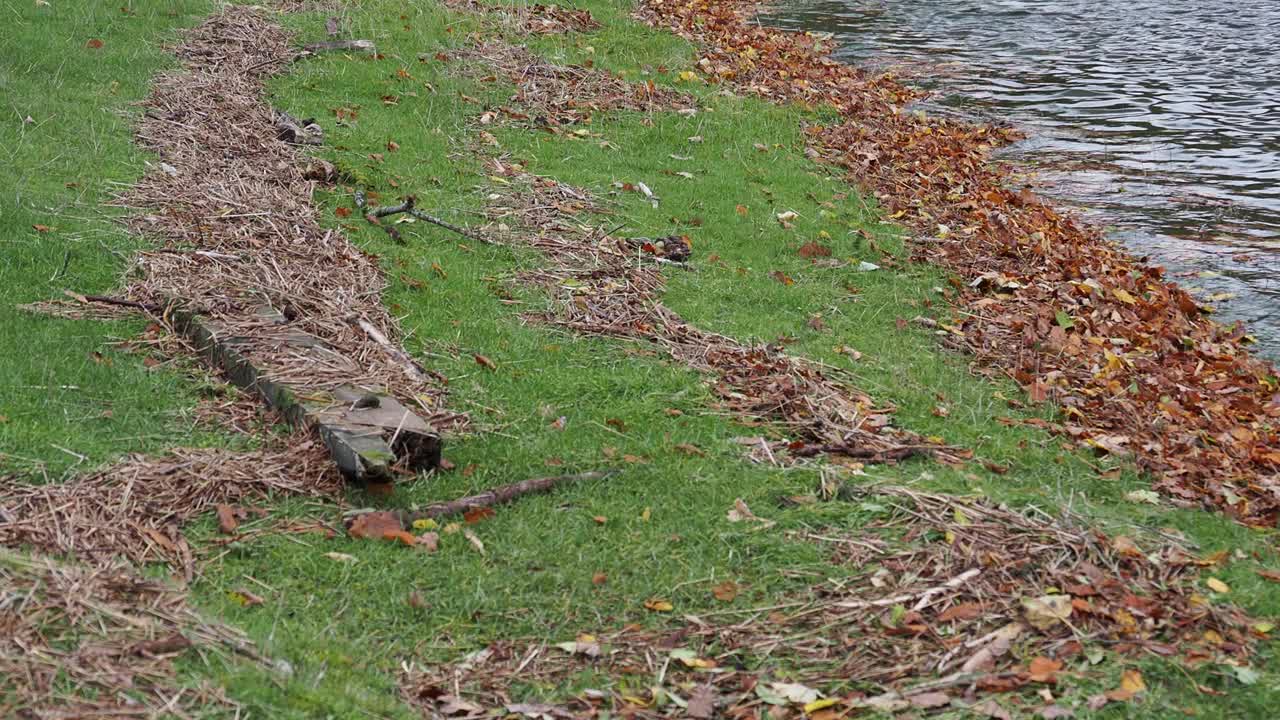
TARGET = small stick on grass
(499,495)
(408,207)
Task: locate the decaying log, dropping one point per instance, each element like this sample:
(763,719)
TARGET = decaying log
(368,433)
(498,496)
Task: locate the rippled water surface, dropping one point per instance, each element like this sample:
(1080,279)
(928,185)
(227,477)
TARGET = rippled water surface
(1161,118)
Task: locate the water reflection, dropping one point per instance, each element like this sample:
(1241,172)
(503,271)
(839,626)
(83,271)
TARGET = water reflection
(1160,118)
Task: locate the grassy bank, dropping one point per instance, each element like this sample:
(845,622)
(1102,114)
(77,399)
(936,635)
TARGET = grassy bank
(585,559)
(68,398)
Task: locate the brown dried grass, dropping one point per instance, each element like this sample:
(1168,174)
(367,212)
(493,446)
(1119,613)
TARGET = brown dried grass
(135,509)
(938,606)
(79,641)
(237,229)
(533,19)
(549,96)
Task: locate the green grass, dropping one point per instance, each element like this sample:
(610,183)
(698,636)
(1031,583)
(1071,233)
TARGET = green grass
(344,628)
(65,144)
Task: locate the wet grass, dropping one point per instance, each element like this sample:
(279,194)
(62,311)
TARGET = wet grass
(344,627)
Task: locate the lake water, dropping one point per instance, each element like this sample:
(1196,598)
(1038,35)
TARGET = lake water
(1157,118)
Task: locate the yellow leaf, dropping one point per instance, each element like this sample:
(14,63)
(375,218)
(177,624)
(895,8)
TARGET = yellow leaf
(817,705)
(1217,585)
(1123,296)
(425,524)
(1132,681)
(658,605)
(452,528)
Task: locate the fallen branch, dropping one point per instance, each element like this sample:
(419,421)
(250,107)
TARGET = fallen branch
(925,596)
(498,496)
(365,46)
(118,302)
(411,366)
(408,207)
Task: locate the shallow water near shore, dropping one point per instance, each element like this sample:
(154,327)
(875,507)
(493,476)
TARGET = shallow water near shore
(1157,118)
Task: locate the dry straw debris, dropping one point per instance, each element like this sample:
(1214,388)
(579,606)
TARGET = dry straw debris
(530,19)
(1135,365)
(550,96)
(79,641)
(955,600)
(237,233)
(604,285)
(135,509)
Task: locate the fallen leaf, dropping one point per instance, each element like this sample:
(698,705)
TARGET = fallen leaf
(794,692)
(702,703)
(1271,575)
(341,557)
(244,598)
(475,515)
(991,709)
(599,579)
(812,249)
(93,44)
(374,525)
(929,700)
(1217,585)
(485,362)
(1131,684)
(658,605)
(600,519)
(227,522)
(726,591)
(42,228)
(741,210)
(1044,670)
(1056,712)
(963,611)
(1046,611)
(475,541)
(429,541)
(688,449)
(342,212)
(415,600)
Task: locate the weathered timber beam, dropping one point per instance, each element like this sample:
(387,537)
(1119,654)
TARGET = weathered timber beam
(368,433)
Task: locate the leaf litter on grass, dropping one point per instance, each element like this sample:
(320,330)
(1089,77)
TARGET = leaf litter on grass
(550,96)
(955,601)
(100,641)
(1128,355)
(599,286)
(532,18)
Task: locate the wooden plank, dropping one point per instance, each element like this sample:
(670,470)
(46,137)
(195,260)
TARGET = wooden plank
(367,432)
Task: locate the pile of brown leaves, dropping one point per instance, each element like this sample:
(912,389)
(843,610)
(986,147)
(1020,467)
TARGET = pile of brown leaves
(956,599)
(550,96)
(603,285)
(1128,355)
(135,509)
(531,19)
(82,642)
